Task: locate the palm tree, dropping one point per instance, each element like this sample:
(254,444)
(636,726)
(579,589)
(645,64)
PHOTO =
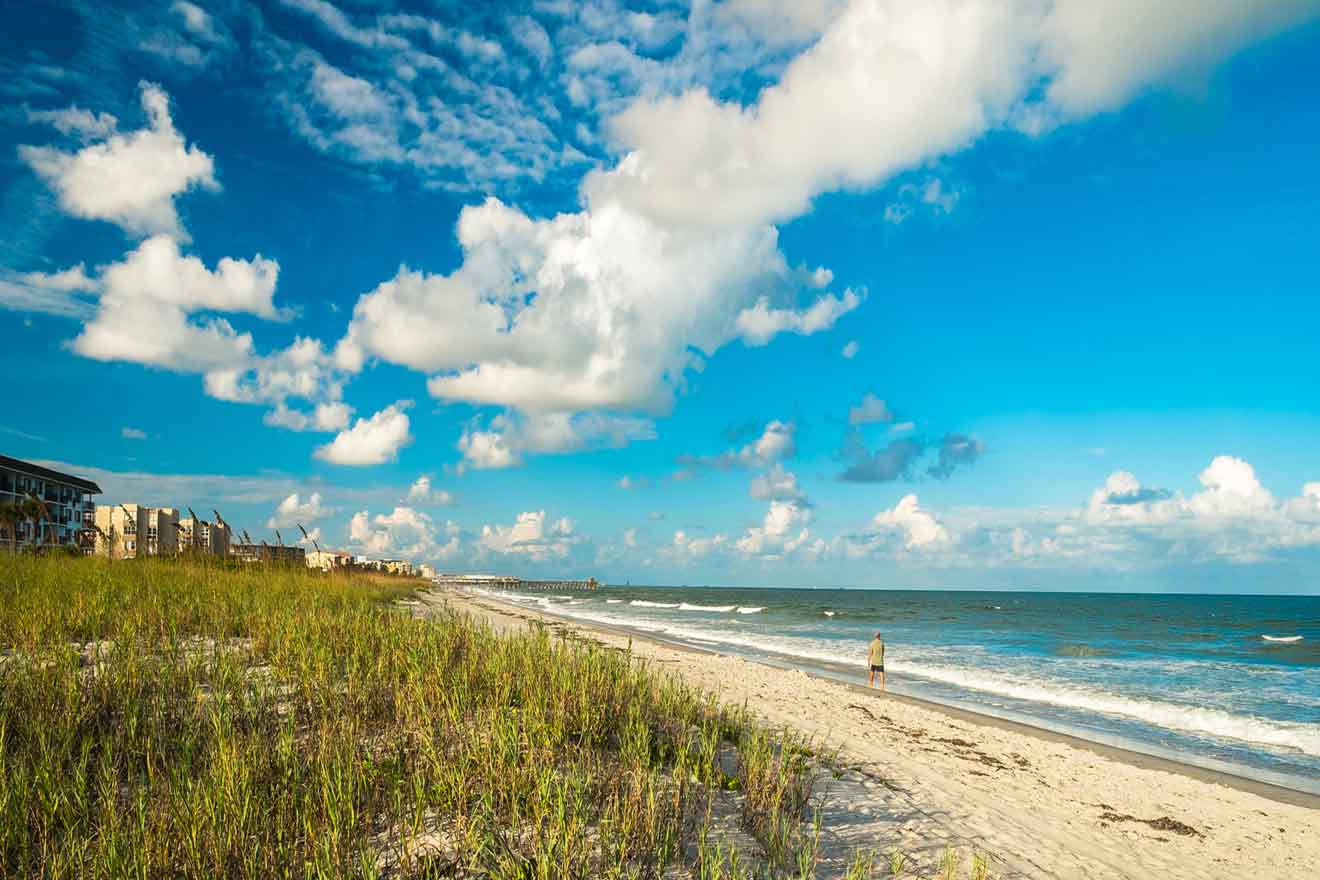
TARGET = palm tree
(10,516)
(39,513)
(32,512)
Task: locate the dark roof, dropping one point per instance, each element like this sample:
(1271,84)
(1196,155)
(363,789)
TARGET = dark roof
(36,470)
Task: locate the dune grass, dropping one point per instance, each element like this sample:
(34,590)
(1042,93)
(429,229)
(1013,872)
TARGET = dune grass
(174,718)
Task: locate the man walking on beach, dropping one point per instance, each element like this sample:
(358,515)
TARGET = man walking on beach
(876,658)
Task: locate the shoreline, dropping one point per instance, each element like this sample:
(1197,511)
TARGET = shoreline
(923,778)
(1132,757)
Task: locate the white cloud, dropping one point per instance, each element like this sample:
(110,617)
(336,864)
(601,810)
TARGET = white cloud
(675,253)
(302,370)
(75,121)
(685,547)
(920,530)
(933,195)
(293,510)
(421,492)
(871,409)
(531,535)
(147,300)
(531,36)
(850,349)
(128,179)
(132,433)
(776,442)
(404,533)
(373,440)
(620,310)
(761,323)
(1101,55)
(323,417)
(782,532)
(53,293)
(510,435)
(1231,489)
(777,484)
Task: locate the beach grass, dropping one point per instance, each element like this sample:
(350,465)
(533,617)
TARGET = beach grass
(184,719)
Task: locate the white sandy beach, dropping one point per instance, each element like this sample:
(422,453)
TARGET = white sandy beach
(1039,804)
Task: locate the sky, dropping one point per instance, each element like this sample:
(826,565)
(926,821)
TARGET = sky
(1009,294)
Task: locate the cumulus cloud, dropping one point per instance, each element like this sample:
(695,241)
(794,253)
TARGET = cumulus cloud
(129,179)
(404,533)
(919,529)
(778,484)
(850,349)
(871,409)
(132,433)
(532,535)
(902,457)
(370,441)
(293,511)
(510,435)
(783,531)
(598,310)
(422,492)
(675,253)
(776,442)
(147,304)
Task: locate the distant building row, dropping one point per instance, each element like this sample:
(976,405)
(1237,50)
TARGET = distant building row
(337,560)
(41,506)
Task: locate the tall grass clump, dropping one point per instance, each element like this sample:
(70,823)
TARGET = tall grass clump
(174,718)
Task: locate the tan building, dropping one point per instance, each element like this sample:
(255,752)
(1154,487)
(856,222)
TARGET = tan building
(329,560)
(128,531)
(202,536)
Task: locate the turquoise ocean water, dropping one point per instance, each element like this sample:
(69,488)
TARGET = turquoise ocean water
(1189,677)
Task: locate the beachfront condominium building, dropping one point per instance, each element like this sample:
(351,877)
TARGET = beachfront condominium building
(202,536)
(127,531)
(65,509)
(329,560)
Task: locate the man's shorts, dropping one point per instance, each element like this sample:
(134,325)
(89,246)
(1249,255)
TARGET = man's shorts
(880,668)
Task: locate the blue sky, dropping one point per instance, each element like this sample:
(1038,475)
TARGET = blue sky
(976,293)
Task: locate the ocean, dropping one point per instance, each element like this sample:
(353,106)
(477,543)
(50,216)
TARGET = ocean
(1208,680)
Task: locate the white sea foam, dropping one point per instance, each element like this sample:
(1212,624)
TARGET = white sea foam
(1282,638)
(613,601)
(722,609)
(1304,738)
(1197,720)
(642,603)
(750,609)
(829,613)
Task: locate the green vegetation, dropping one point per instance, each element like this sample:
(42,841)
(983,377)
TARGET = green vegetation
(174,718)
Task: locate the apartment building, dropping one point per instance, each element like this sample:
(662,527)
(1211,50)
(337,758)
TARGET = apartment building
(67,499)
(202,536)
(127,531)
(329,560)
